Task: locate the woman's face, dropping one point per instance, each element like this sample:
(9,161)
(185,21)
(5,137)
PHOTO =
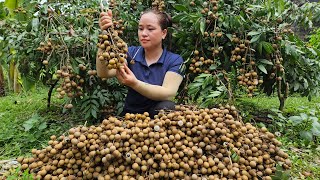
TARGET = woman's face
(149,32)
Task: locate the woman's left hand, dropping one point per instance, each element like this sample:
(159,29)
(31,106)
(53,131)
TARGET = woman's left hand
(126,76)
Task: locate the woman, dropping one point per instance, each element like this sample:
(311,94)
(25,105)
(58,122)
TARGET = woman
(154,79)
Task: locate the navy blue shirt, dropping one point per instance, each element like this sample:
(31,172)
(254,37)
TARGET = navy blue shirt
(153,74)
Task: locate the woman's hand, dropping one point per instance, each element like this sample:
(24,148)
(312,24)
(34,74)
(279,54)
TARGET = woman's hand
(126,76)
(105,20)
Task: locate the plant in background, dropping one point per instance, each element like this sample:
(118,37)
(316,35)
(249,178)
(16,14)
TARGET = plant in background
(252,37)
(307,127)
(314,39)
(208,90)
(304,126)
(17,174)
(55,42)
(106,99)
(240,46)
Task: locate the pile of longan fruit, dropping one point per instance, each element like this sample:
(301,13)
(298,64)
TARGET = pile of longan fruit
(188,143)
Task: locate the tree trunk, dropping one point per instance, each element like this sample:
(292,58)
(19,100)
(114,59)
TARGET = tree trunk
(11,75)
(14,84)
(2,89)
(50,93)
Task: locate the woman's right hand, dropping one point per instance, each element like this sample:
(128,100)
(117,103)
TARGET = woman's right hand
(105,20)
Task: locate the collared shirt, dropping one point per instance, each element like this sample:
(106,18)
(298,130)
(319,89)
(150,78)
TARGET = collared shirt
(153,74)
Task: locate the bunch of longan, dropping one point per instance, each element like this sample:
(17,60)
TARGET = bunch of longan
(112,49)
(46,47)
(71,84)
(250,80)
(209,7)
(239,53)
(199,64)
(158,4)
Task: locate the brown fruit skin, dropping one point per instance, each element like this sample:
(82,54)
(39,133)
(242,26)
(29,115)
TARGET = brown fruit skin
(68,106)
(279,20)
(45,62)
(24,166)
(183,148)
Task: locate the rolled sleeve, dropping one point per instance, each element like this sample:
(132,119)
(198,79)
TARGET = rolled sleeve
(176,65)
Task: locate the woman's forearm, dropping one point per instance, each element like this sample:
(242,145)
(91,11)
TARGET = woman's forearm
(160,93)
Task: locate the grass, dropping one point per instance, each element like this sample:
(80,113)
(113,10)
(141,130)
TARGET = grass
(26,123)
(266,103)
(305,158)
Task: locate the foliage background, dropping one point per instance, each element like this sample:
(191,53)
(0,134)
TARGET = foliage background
(71,27)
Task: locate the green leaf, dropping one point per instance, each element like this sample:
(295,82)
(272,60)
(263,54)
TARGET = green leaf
(253,33)
(35,23)
(229,36)
(305,83)
(95,102)
(296,86)
(264,61)
(315,127)
(267,47)
(307,135)
(213,67)
(11,4)
(179,17)
(94,113)
(67,38)
(27,126)
(180,7)
(88,114)
(222,88)
(304,116)
(262,68)
(280,174)
(214,94)
(255,38)
(202,25)
(259,47)
(29,27)
(235,157)
(281,5)
(3,11)
(30,123)
(42,126)
(295,119)
(195,84)
(64,110)
(84,104)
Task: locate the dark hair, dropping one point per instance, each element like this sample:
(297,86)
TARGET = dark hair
(165,20)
